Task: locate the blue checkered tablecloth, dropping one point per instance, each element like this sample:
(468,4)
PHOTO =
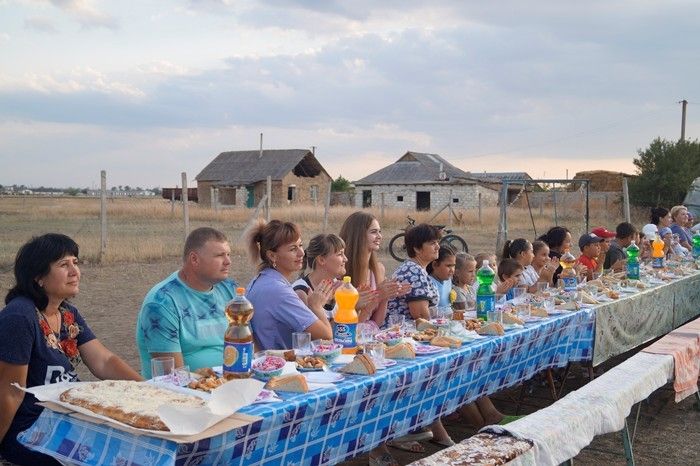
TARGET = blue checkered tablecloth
(336,423)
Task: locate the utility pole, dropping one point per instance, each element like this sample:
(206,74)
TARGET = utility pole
(685,104)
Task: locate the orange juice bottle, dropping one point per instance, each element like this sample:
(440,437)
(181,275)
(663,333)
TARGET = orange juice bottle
(345,320)
(657,253)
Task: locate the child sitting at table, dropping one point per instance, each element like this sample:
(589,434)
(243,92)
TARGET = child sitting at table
(509,273)
(441,271)
(463,279)
(589,243)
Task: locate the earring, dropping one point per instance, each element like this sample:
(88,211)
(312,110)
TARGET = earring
(40,283)
(274,264)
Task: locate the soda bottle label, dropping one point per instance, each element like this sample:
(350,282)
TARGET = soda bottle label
(633,270)
(696,250)
(484,304)
(569,283)
(238,357)
(657,262)
(345,334)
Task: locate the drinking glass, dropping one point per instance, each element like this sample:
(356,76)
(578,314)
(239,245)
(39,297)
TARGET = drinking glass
(376,352)
(522,309)
(445,312)
(162,368)
(409,327)
(182,376)
(433,311)
(542,287)
(496,315)
(519,293)
(500,300)
(548,303)
(396,320)
(301,343)
(471,302)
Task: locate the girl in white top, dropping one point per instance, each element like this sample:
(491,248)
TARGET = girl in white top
(523,252)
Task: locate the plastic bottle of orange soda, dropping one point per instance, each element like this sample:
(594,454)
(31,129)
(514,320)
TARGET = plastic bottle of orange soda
(346,319)
(657,253)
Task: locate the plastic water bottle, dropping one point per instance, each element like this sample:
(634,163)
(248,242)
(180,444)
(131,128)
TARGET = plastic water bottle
(485,296)
(568,273)
(238,339)
(657,253)
(346,318)
(696,245)
(632,261)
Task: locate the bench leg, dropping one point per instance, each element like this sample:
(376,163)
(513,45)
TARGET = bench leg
(552,386)
(627,442)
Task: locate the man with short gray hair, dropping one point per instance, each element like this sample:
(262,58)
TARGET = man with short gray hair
(183,316)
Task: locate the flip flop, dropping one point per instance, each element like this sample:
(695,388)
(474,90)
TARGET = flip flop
(412,446)
(385,460)
(417,435)
(448,442)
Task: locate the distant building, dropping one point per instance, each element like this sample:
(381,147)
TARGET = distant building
(239,178)
(419,181)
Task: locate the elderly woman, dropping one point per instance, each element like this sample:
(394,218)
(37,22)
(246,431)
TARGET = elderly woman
(279,312)
(679,215)
(43,338)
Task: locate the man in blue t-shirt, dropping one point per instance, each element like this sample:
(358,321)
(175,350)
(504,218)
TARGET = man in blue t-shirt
(183,316)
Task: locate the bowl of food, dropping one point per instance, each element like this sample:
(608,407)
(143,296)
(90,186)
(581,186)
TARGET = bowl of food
(266,367)
(389,337)
(326,350)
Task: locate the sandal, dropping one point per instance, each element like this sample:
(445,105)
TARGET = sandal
(412,446)
(385,460)
(448,442)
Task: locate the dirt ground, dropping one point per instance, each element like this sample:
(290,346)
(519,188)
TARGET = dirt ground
(111,296)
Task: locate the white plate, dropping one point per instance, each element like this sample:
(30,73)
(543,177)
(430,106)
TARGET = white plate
(557,312)
(423,350)
(323,377)
(387,363)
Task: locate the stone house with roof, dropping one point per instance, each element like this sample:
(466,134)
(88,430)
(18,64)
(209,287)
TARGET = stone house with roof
(419,181)
(239,178)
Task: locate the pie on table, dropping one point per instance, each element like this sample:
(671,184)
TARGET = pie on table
(129,402)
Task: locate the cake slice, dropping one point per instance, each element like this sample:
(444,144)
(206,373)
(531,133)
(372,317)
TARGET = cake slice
(446,342)
(491,328)
(538,312)
(400,351)
(510,318)
(361,364)
(289,383)
(587,298)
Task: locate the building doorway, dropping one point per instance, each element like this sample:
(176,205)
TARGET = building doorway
(366,198)
(422,200)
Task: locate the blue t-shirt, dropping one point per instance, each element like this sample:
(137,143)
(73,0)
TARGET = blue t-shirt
(279,312)
(443,288)
(422,288)
(175,318)
(22,342)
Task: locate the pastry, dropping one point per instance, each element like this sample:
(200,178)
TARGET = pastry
(587,299)
(288,383)
(446,342)
(422,324)
(361,364)
(127,401)
(510,318)
(491,328)
(538,312)
(400,351)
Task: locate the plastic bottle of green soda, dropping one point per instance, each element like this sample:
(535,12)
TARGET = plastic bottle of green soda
(485,297)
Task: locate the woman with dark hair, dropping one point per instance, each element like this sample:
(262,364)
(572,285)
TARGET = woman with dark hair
(661,217)
(277,249)
(43,338)
(559,240)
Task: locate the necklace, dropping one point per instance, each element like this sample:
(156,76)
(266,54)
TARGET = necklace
(56,327)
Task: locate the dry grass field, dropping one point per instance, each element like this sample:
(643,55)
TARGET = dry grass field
(144,245)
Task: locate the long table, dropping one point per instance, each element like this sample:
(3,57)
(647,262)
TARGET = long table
(332,424)
(350,418)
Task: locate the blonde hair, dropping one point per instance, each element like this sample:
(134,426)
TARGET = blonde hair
(322,245)
(261,237)
(354,233)
(461,260)
(676,209)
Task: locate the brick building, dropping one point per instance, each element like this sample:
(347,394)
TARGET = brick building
(239,178)
(420,181)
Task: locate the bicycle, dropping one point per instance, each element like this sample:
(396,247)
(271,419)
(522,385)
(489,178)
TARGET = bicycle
(397,246)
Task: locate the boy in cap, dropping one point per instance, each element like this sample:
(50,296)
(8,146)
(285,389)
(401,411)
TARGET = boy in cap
(589,243)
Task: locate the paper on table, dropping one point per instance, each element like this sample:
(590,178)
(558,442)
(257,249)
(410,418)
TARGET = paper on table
(224,401)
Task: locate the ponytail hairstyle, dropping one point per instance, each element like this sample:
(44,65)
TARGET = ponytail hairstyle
(322,245)
(262,237)
(657,213)
(444,253)
(555,237)
(515,247)
(508,267)
(354,233)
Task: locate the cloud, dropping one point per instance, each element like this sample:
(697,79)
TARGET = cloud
(86,14)
(40,24)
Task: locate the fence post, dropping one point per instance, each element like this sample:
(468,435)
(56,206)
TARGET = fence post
(503,222)
(607,214)
(626,200)
(216,199)
(327,206)
(185,207)
(382,208)
(172,202)
(103,215)
(449,210)
(554,201)
(211,198)
(268,203)
(479,208)
(541,206)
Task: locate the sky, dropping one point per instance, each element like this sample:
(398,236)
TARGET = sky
(147,90)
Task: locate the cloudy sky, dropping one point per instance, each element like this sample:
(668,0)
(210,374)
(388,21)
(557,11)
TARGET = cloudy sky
(151,88)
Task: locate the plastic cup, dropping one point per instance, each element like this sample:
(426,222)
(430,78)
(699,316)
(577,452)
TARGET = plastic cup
(519,293)
(542,287)
(301,343)
(496,315)
(376,352)
(162,369)
(396,320)
(182,376)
